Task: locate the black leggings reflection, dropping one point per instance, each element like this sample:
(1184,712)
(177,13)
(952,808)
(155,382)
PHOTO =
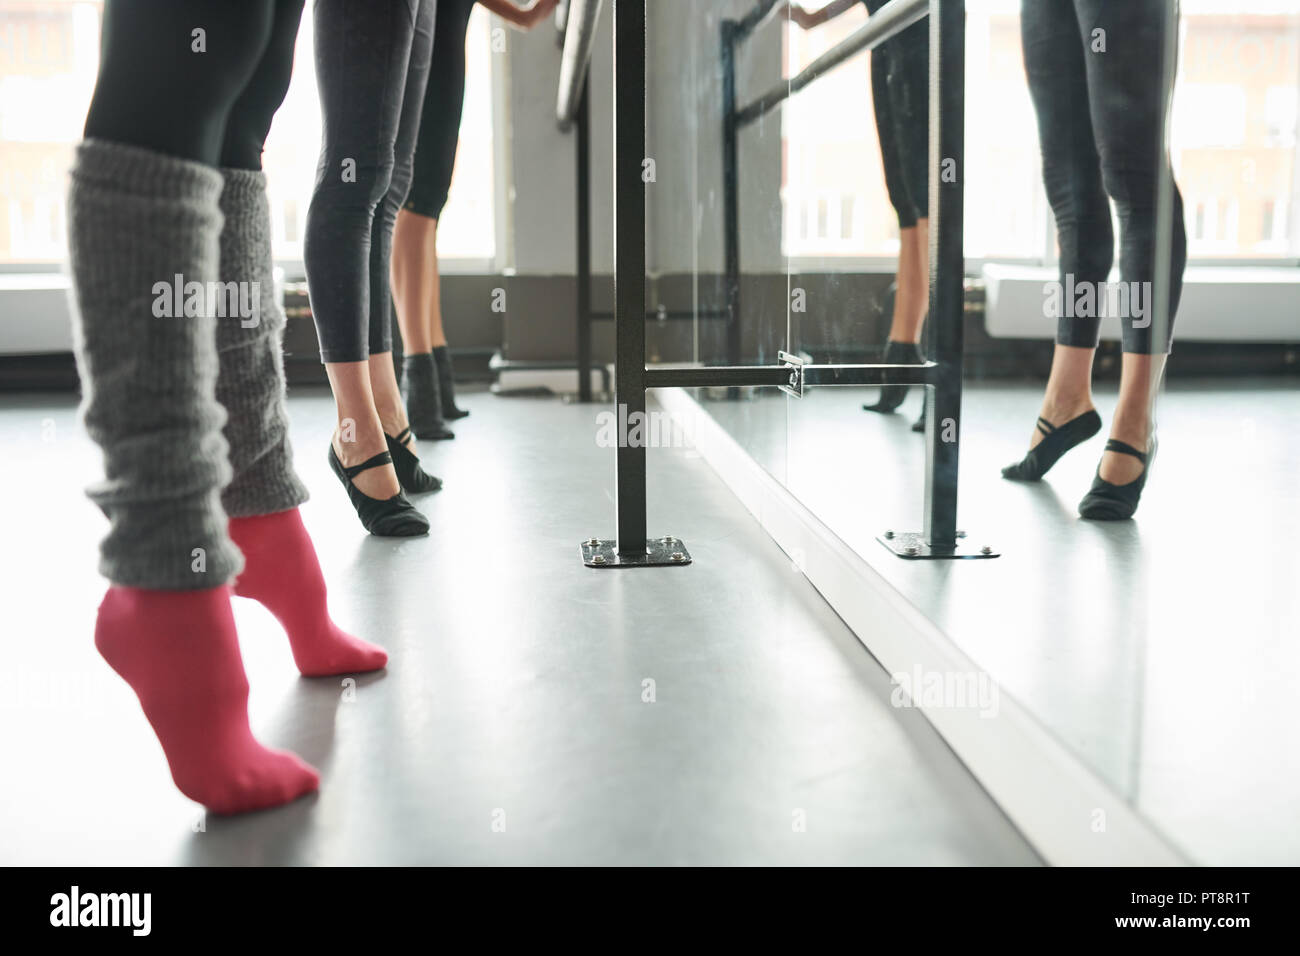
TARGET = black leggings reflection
(1094,76)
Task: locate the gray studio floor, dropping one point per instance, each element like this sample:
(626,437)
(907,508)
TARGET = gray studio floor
(1163,650)
(515,691)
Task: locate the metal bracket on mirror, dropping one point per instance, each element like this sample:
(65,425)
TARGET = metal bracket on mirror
(795,364)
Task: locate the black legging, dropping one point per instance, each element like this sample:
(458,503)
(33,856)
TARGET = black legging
(900,98)
(220,114)
(372,60)
(435,149)
(1098,117)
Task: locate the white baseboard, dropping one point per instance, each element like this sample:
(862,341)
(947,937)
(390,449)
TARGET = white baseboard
(1067,813)
(560,380)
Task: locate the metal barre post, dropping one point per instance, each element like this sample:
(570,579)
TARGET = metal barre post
(947,255)
(940,537)
(582,145)
(630,548)
(730,191)
(629,265)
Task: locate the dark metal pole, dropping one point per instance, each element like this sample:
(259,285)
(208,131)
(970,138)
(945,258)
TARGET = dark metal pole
(629,268)
(630,547)
(947,267)
(730,192)
(582,140)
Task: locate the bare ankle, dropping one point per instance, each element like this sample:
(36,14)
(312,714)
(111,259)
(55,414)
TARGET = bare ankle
(392,421)
(1134,429)
(355,440)
(1066,407)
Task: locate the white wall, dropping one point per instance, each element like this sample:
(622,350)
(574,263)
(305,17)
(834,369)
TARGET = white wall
(683,136)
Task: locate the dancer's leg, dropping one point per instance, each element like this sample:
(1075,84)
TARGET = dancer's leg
(143,209)
(281,569)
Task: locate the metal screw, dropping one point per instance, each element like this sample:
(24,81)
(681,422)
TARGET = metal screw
(678,556)
(911,549)
(961,534)
(666,540)
(593,542)
(598,559)
(986,550)
(889,535)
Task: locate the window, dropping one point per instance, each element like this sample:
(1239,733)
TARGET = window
(1198,230)
(1280,115)
(833,154)
(49,52)
(1210,115)
(1233,138)
(832,160)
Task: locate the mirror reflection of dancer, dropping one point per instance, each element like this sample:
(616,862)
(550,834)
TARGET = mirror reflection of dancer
(900,97)
(372,57)
(428,383)
(1098,113)
(188,409)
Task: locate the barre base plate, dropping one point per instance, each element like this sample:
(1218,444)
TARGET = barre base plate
(603,553)
(912,546)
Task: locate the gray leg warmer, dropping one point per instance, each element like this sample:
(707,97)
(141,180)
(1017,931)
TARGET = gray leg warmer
(250,383)
(136,220)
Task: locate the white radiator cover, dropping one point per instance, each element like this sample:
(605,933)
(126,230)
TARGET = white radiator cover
(1220,304)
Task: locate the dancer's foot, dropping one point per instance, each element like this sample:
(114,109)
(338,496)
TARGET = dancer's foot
(891,396)
(392,517)
(179,652)
(1109,501)
(282,572)
(365,441)
(919,424)
(1119,468)
(447,384)
(401,445)
(415,480)
(1060,427)
(423,397)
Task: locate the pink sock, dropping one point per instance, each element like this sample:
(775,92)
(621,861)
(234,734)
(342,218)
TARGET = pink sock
(281,571)
(179,652)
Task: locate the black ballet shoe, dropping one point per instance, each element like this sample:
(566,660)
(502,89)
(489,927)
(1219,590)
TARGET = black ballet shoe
(919,424)
(891,396)
(1107,502)
(1057,440)
(413,479)
(447,384)
(423,398)
(393,517)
